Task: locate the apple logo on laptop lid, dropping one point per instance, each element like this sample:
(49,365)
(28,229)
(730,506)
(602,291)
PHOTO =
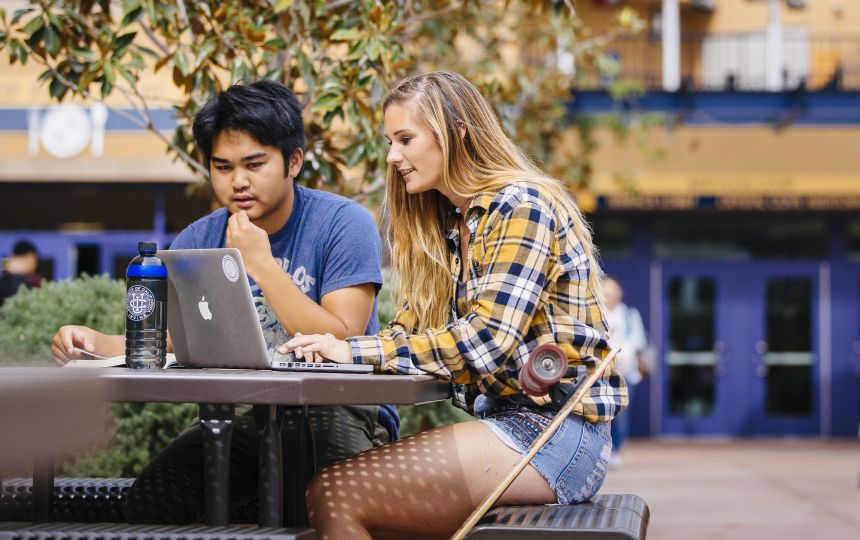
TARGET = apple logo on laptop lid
(203,305)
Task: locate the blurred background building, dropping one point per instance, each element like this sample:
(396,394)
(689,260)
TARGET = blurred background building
(85,183)
(737,235)
(741,245)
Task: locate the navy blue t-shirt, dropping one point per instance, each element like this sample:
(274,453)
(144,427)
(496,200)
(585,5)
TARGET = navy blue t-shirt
(328,243)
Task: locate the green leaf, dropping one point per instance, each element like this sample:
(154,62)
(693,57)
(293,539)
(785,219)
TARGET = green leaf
(17,51)
(308,73)
(327,102)
(149,52)
(331,115)
(374,49)
(205,51)
(122,42)
(238,71)
(52,41)
(131,17)
(137,62)
(19,14)
(358,50)
(35,39)
(356,156)
(129,8)
(347,34)
(326,172)
(86,79)
(275,44)
(87,55)
(55,21)
(162,61)
(126,74)
(151,11)
(109,72)
(35,24)
(107,88)
(283,5)
(57,89)
(181,63)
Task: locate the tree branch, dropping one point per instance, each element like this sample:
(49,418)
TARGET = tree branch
(161,46)
(144,119)
(150,126)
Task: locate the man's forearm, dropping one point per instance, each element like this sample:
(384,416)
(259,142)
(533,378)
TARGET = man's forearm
(294,309)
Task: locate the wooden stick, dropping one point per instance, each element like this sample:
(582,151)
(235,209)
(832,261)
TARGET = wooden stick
(563,413)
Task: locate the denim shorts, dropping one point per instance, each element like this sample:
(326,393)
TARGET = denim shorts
(574,460)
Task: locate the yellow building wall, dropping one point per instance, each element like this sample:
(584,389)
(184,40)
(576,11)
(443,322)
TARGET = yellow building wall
(128,157)
(719,161)
(830,17)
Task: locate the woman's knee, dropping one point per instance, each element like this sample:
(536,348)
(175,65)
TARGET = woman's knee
(317,490)
(326,496)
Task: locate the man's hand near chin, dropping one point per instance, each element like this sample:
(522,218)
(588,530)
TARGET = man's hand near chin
(251,241)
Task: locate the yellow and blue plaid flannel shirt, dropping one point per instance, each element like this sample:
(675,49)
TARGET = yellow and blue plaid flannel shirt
(527,285)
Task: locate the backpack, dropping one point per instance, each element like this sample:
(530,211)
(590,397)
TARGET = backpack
(9,285)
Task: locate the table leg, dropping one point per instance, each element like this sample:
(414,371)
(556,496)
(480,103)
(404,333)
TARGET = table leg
(301,464)
(43,490)
(217,424)
(269,419)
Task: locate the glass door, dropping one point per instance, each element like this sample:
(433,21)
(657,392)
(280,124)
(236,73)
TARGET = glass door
(697,371)
(784,394)
(740,348)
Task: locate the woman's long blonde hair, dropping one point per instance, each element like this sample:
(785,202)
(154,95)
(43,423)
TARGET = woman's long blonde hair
(485,159)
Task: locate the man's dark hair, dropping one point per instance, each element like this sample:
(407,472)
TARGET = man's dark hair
(266,110)
(24,247)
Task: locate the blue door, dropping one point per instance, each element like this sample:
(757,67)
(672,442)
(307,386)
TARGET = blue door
(843,401)
(785,394)
(739,348)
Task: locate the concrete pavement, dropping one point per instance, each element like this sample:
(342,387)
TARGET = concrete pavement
(739,489)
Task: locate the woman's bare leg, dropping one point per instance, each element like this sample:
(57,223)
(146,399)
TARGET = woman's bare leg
(423,486)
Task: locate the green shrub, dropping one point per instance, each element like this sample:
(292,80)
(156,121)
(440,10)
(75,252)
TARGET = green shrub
(415,418)
(140,430)
(29,319)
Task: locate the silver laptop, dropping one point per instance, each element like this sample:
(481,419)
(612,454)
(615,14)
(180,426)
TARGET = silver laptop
(212,319)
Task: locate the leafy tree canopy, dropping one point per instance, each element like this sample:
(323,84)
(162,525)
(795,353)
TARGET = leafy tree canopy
(338,55)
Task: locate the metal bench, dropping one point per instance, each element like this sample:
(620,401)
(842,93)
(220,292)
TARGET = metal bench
(75,499)
(83,500)
(605,517)
(99,500)
(114,531)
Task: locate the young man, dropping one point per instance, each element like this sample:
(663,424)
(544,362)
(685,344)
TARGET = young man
(313,259)
(19,269)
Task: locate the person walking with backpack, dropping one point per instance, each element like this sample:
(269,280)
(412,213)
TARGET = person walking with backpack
(626,331)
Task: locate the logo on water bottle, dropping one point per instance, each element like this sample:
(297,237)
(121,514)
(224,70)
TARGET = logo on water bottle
(139,302)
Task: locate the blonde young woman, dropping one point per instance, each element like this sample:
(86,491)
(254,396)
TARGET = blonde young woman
(494,258)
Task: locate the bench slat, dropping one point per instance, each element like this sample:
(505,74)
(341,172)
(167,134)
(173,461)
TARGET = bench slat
(84,500)
(605,517)
(114,531)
